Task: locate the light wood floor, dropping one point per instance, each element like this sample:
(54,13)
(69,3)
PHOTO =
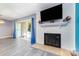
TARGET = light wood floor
(58,51)
(19,47)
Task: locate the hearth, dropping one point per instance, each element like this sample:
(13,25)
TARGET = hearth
(52,39)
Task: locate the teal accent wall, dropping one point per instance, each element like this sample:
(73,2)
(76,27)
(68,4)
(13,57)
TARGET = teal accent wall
(77,27)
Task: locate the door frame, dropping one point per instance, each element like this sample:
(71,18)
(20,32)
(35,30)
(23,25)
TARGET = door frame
(33,17)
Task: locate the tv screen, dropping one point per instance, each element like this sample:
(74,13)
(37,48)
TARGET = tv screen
(53,13)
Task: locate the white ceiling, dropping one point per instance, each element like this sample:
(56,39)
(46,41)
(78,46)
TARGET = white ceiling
(17,10)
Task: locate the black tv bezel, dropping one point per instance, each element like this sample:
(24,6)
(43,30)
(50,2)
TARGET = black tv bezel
(52,20)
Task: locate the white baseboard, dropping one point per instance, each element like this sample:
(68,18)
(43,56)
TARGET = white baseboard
(5,37)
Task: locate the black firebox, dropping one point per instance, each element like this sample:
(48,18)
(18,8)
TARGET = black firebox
(52,39)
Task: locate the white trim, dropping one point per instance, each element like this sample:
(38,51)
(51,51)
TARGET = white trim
(5,37)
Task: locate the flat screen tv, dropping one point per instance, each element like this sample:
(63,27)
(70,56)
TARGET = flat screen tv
(52,14)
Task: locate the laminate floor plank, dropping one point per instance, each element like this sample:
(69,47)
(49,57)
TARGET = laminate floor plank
(20,47)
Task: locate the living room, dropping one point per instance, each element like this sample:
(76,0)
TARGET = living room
(55,34)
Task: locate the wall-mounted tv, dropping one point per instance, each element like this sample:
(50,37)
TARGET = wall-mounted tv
(52,14)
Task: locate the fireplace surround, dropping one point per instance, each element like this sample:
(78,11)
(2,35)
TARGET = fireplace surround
(52,39)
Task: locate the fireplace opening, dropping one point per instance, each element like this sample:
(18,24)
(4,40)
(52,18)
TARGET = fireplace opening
(52,39)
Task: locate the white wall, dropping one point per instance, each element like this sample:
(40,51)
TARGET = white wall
(67,32)
(6,29)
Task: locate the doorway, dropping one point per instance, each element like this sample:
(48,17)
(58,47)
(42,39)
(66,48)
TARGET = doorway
(24,29)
